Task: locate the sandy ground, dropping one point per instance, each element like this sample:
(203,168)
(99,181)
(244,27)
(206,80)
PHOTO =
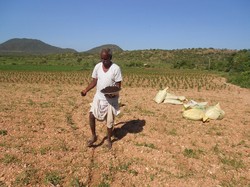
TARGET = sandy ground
(44,129)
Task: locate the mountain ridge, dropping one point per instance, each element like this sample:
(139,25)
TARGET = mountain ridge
(31,46)
(113,47)
(38,47)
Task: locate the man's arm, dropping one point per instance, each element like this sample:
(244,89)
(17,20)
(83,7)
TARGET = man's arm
(89,87)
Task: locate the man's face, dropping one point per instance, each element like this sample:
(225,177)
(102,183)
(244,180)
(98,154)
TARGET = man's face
(105,59)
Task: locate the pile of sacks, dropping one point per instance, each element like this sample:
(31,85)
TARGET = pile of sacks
(192,109)
(199,111)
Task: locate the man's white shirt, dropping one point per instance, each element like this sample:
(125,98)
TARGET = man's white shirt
(105,79)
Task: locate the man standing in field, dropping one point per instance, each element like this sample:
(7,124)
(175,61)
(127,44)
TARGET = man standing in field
(104,106)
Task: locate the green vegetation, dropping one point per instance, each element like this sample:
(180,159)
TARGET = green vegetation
(27,177)
(3,132)
(23,67)
(8,159)
(76,183)
(233,64)
(133,77)
(232,162)
(97,50)
(190,153)
(172,132)
(242,79)
(149,145)
(103,184)
(53,178)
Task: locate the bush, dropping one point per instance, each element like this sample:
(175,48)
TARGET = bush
(134,64)
(241,79)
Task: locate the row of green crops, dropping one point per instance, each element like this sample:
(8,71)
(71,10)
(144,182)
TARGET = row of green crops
(178,79)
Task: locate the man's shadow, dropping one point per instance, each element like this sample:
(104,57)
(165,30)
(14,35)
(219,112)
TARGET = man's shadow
(132,126)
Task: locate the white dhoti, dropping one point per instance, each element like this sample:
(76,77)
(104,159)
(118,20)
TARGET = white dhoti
(105,110)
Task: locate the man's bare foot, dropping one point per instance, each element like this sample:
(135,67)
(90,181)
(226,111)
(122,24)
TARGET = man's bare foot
(109,144)
(91,141)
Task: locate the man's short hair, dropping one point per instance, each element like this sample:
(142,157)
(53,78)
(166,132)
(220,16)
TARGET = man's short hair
(107,50)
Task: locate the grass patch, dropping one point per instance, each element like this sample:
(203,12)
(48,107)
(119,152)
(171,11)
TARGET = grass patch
(149,145)
(216,149)
(190,153)
(76,183)
(44,150)
(172,132)
(133,172)
(123,166)
(145,111)
(3,132)
(241,143)
(27,177)
(46,105)
(31,102)
(70,121)
(8,159)
(106,179)
(215,131)
(232,162)
(63,146)
(104,184)
(152,177)
(53,178)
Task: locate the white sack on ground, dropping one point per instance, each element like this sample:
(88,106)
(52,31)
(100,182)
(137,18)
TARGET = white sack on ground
(214,112)
(194,104)
(173,101)
(194,114)
(171,96)
(182,98)
(160,96)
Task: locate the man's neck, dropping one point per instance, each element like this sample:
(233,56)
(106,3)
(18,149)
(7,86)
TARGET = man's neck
(107,66)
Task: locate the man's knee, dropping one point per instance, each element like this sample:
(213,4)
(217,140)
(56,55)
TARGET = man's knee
(91,116)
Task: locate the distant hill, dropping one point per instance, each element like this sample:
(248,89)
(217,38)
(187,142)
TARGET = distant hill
(31,46)
(113,47)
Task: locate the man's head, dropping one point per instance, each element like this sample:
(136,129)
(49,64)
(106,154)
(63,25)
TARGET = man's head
(106,56)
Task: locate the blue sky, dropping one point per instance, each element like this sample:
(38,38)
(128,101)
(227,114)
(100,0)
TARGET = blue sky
(131,24)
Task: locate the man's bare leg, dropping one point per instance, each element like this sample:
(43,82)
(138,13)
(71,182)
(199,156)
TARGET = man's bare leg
(92,128)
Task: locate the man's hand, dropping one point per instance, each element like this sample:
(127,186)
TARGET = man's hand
(89,87)
(83,93)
